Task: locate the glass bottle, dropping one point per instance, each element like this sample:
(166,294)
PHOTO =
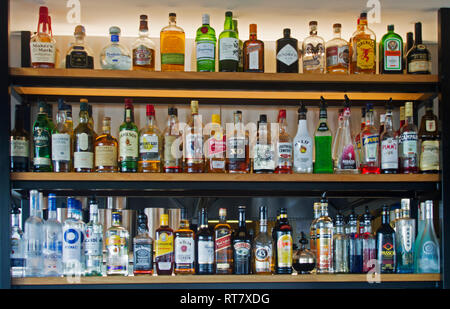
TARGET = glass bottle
(91,120)
(402,118)
(242,247)
(370,145)
(223,252)
(354,245)
(33,238)
(150,144)
(264,152)
(172,43)
(263,247)
(324,239)
(184,246)
(93,243)
(128,141)
(418,58)
(409,44)
(238,157)
(337,53)
(429,141)
(115,56)
(284,146)
(313,51)
(313,227)
(204,249)
(144,48)
(49,111)
(363,49)
(164,247)
(142,247)
(205,44)
(340,247)
(52,249)
(17,257)
(241,47)
(19,143)
(420,224)
(408,141)
(194,159)
(303,144)
(42,141)
(386,244)
(42,43)
(358,136)
(73,240)
(382,121)
(391,52)
(228,46)
(215,158)
(62,139)
(389,145)
(172,158)
(368,240)
(405,233)
(397,216)
(337,138)
(106,149)
(287,53)
(283,245)
(83,142)
(304,261)
(253,52)
(323,163)
(428,255)
(117,244)
(79,55)
(346,160)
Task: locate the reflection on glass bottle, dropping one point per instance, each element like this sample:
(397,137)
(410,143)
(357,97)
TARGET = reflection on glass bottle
(340,247)
(428,255)
(405,233)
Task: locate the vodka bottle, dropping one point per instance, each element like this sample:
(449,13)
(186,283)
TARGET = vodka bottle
(93,244)
(340,247)
(303,145)
(355,246)
(428,257)
(368,242)
(17,245)
(117,238)
(34,240)
(52,241)
(346,161)
(405,232)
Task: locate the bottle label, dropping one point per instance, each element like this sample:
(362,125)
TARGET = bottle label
(42,52)
(284,250)
(303,153)
(223,241)
(217,164)
(365,54)
(83,141)
(143,56)
(143,257)
(389,153)
(406,232)
(172,58)
(41,161)
(72,242)
(83,159)
(418,65)
(236,147)
(169,155)
(264,157)
(408,141)
(337,55)
(430,125)
(164,245)
(370,147)
(17,259)
(105,156)
(205,252)
(128,144)
(194,146)
(393,54)
(313,58)
(253,60)
(324,245)
(93,243)
(242,252)
(348,158)
(78,59)
(288,54)
(429,248)
(216,146)
(114,59)
(229,49)
(184,250)
(284,154)
(387,256)
(206,50)
(149,147)
(116,247)
(41,138)
(61,147)
(19,148)
(429,156)
(263,257)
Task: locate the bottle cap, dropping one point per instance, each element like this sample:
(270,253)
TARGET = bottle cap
(363,15)
(215,118)
(150,110)
(238,112)
(116,216)
(205,19)
(61,104)
(172,15)
(337,26)
(263,118)
(369,107)
(313,23)
(128,103)
(324,198)
(143,17)
(390,27)
(172,111)
(241,208)
(286,32)
(93,199)
(164,219)
(252,28)
(114,30)
(79,30)
(194,106)
(228,14)
(43,11)
(222,212)
(84,106)
(281,114)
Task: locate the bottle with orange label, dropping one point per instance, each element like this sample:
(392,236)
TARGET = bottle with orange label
(363,49)
(117,238)
(283,245)
(324,239)
(164,253)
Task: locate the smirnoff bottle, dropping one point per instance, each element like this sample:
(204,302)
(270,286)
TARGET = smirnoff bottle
(303,144)
(405,236)
(346,161)
(408,143)
(389,145)
(370,144)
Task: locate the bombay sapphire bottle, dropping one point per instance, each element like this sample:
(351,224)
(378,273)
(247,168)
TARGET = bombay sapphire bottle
(52,241)
(340,246)
(34,240)
(428,257)
(354,245)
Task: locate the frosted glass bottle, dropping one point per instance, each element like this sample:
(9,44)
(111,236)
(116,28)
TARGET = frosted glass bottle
(34,240)
(428,255)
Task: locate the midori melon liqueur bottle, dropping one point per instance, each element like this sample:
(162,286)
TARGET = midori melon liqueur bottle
(322,141)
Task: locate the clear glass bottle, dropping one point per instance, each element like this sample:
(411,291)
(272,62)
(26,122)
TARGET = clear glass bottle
(337,53)
(144,48)
(253,52)
(164,247)
(150,144)
(223,252)
(313,51)
(370,145)
(117,244)
(386,244)
(283,150)
(241,47)
(42,43)
(369,250)
(405,233)
(303,144)
(287,53)
(115,56)
(323,163)
(389,145)
(173,156)
(354,245)
(73,238)
(205,44)
(83,145)
(184,247)
(17,256)
(264,151)
(142,247)
(172,44)
(52,250)
(238,157)
(62,139)
(428,254)
(93,243)
(429,141)
(79,55)
(34,238)
(204,249)
(228,46)
(262,247)
(391,52)
(358,136)
(242,247)
(215,156)
(363,49)
(337,137)
(340,247)
(42,141)
(408,143)
(346,159)
(324,239)
(106,149)
(128,141)
(194,158)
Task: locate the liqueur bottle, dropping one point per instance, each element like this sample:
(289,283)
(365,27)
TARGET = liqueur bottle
(238,158)
(106,149)
(429,141)
(386,244)
(337,138)
(313,51)
(264,152)
(303,144)
(42,141)
(117,244)
(204,249)
(405,233)
(418,59)
(228,46)
(354,245)
(142,247)
(242,247)
(428,255)
(19,143)
(369,250)
(79,55)
(304,261)
(17,258)
(323,163)
(389,145)
(346,160)
(358,136)
(52,250)
(115,56)
(262,247)
(363,49)
(223,252)
(370,145)
(420,224)
(391,52)
(164,247)
(73,240)
(324,239)
(128,141)
(409,44)
(340,247)
(42,44)
(83,142)
(313,228)
(172,157)
(287,53)
(205,44)
(283,245)
(93,243)
(408,156)
(241,47)
(150,145)
(184,246)
(144,48)
(172,44)
(337,53)
(253,52)
(215,158)
(194,160)
(284,146)
(62,139)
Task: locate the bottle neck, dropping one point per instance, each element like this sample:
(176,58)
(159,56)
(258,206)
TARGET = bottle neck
(15,220)
(324,210)
(253,36)
(317,213)
(385,217)
(339,228)
(93,213)
(84,117)
(283,124)
(228,25)
(369,119)
(263,225)
(184,224)
(129,115)
(388,126)
(337,33)
(142,228)
(79,39)
(172,20)
(367,227)
(418,36)
(242,220)
(44,25)
(204,220)
(106,130)
(19,124)
(151,121)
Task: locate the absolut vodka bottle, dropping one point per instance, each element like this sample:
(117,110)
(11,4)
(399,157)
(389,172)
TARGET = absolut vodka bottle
(93,244)
(428,255)
(405,236)
(73,238)
(34,240)
(52,241)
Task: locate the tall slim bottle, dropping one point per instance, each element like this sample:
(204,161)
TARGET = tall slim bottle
(17,257)
(194,157)
(386,244)
(346,160)
(33,238)
(42,141)
(128,141)
(228,46)
(52,241)
(354,245)
(284,146)
(184,247)
(340,247)
(303,144)
(150,144)
(369,250)
(205,44)
(323,163)
(370,145)
(358,136)
(62,138)
(242,247)
(313,228)
(172,43)
(73,239)
(428,255)
(204,249)
(172,160)
(223,251)
(19,143)
(164,247)
(337,138)
(93,243)
(83,142)
(262,247)
(405,233)
(389,145)
(324,239)
(238,157)
(408,143)
(283,245)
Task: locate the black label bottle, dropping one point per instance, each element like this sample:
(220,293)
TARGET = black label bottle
(386,244)
(287,53)
(283,245)
(204,249)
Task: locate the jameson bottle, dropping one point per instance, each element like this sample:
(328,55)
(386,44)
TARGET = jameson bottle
(19,143)
(408,143)
(228,46)
(429,141)
(223,252)
(242,247)
(204,249)
(386,244)
(391,52)
(206,46)
(322,141)
(128,141)
(389,145)
(287,53)
(283,245)
(42,141)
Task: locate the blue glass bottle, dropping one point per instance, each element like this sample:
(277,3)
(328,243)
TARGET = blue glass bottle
(52,241)
(354,245)
(428,257)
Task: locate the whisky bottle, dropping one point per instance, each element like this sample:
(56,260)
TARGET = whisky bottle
(262,247)
(184,246)
(242,247)
(253,52)
(19,143)
(117,244)
(228,46)
(172,157)
(42,141)
(215,157)
(283,245)
(79,55)
(194,160)
(386,244)
(287,53)
(223,252)
(142,247)
(204,249)
(389,145)
(429,141)
(324,239)
(62,139)
(408,143)
(418,59)
(303,144)
(264,151)
(205,44)
(323,162)
(337,53)
(115,56)
(363,49)
(42,44)
(172,43)
(238,159)
(128,141)
(106,149)
(91,120)
(164,247)
(313,51)
(150,144)
(83,142)
(391,53)
(144,48)
(370,145)
(284,146)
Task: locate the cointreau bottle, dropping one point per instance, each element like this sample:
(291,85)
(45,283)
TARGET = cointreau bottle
(253,52)
(363,49)
(42,44)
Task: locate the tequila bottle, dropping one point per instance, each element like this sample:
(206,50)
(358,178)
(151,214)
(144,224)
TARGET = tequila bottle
(215,157)
(323,163)
(418,58)
(370,145)
(223,252)
(73,240)
(62,139)
(52,241)
(34,238)
(150,144)
(408,143)
(238,158)
(346,160)
(264,152)
(303,145)
(204,249)
(93,243)
(405,233)
(42,43)
(205,43)
(106,149)
(172,43)
(117,243)
(228,46)
(194,159)
(337,53)
(79,55)
(172,157)
(242,247)
(369,250)
(363,49)
(17,257)
(142,247)
(83,142)
(389,145)
(429,141)
(313,51)
(19,143)
(253,52)
(115,56)
(324,239)
(428,255)
(391,52)
(42,141)
(354,245)
(143,48)
(340,247)
(184,246)
(164,247)
(128,141)
(287,53)
(283,245)
(386,244)
(262,247)
(284,146)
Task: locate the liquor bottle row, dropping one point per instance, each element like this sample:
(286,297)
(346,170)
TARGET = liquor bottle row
(337,56)
(234,148)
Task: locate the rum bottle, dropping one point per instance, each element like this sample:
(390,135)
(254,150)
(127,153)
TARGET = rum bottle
(284,146)
(303,144)
(262,247)
(79,55)
(323,163)
(143,48)
(429,141)
(287,53)
(128,141)
(215,158)
(340,247)
(405,233)
(391,53)
(363,49)
(386,244)
(106,149)
(223,252)
(346,160)
(42,141)
(337,53)
(150,144)
(164,247)
(253,52)
(19,143)
(238,158)
(324,239)
(418,59)
(369,250)
(408,143)
(283,245)
(143,247)
(205,44)
(264,152)
(42,43)
(194,159)
(370,145)
(117,244)
(204,249)
(389,145)
(62,139)
(184,246)
(313,51)
(242,247)
(172,139)
(83,145)
(228,46)
(428,253)
(172,43)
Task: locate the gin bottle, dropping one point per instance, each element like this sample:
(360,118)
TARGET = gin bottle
(264,152)
(354,245)
(340,247)
(52,241)
(428,255)
(284,146)
(262,246)
(115,56)
(405,233)
(346,160)
(62,139)
(17,258)
(42,141)
(93,243)
(206,46)
(370,145)
(228,46)
(386,244)
(287,53)
(389,145)
(34,238)
(322,141)
(142,247)
(79,55)
(144,48)
(324,239)
(408,143)
(313,51)
(117,243)
(369,250)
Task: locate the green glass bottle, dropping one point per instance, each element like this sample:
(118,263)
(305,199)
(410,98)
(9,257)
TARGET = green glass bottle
(49,111)
(228,46)
(206,46)
(42,141)
(128,141)
(391,53)
(83,142)
(322,141)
